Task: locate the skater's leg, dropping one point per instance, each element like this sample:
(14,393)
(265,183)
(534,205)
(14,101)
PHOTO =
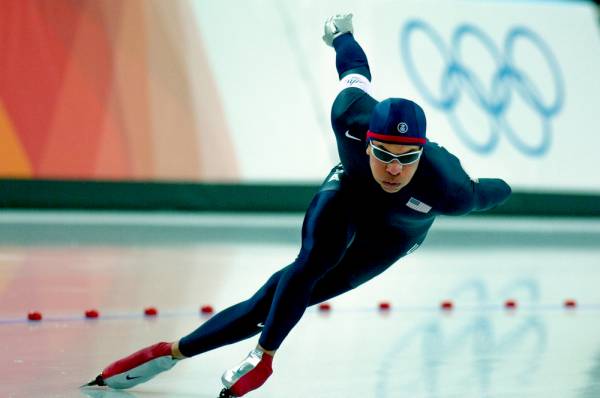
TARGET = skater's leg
(326,233)
(367,257)
(325,215)
(356,267)
(233,324)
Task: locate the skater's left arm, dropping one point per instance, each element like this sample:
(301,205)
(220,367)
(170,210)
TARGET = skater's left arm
(476,195)
(488,193)
(463,194)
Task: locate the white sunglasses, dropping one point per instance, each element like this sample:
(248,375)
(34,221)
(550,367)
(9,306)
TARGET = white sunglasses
(387,157)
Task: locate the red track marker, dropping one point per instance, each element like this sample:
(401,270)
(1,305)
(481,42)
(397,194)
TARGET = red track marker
(207,309)
(34,316)
(92,314)
(510,304)
(151,311)
(570,303)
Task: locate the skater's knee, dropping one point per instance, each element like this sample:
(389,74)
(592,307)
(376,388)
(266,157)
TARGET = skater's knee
(310,267)
(305,272)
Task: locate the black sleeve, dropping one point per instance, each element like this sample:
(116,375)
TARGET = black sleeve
(462,195)
(489,193)
(351,110)
(350,57)
(476,196)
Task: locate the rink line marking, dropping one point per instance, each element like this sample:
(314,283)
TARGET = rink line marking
(395,309)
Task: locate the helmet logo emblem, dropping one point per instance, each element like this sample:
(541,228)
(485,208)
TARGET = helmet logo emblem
(402,127)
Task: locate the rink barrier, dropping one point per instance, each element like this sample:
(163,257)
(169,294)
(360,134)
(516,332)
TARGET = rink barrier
(225,197)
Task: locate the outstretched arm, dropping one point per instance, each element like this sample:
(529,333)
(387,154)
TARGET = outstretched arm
(480,195)
(352,107)
(350,57)
(489,193)
(351,61)
(461,194)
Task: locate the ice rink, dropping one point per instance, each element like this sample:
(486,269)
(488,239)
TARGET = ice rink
(63,264)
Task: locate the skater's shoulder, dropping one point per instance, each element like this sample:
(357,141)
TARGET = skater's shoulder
(443,177)
(350,101)
(441,165)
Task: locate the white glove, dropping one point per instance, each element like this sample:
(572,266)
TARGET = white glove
(336,26)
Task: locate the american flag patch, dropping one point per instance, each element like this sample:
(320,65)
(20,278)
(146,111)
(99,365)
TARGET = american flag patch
(417,205)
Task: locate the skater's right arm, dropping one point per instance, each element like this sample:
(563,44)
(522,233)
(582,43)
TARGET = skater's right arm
(350,58)
(351,109)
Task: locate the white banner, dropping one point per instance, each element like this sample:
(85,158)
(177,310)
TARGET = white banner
(511,88)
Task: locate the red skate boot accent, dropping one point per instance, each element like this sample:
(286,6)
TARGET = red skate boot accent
(250,374)
(137,368)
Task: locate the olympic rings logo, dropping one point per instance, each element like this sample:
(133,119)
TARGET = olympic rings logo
(507,79)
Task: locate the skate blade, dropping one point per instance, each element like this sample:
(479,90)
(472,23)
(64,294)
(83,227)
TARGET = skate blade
(225,393)
(98,381)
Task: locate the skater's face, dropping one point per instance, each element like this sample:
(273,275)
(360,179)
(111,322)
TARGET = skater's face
(393,175)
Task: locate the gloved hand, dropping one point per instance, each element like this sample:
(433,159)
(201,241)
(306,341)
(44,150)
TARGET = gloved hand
(336,26)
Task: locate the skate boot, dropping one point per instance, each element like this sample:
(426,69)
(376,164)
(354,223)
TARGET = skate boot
(250,374)
(137,368)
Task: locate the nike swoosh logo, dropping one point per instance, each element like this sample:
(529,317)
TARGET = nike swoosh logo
(132,378)
(261,325)
(351,136)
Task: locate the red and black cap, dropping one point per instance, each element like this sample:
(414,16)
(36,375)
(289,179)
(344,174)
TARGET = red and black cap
(398,121)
